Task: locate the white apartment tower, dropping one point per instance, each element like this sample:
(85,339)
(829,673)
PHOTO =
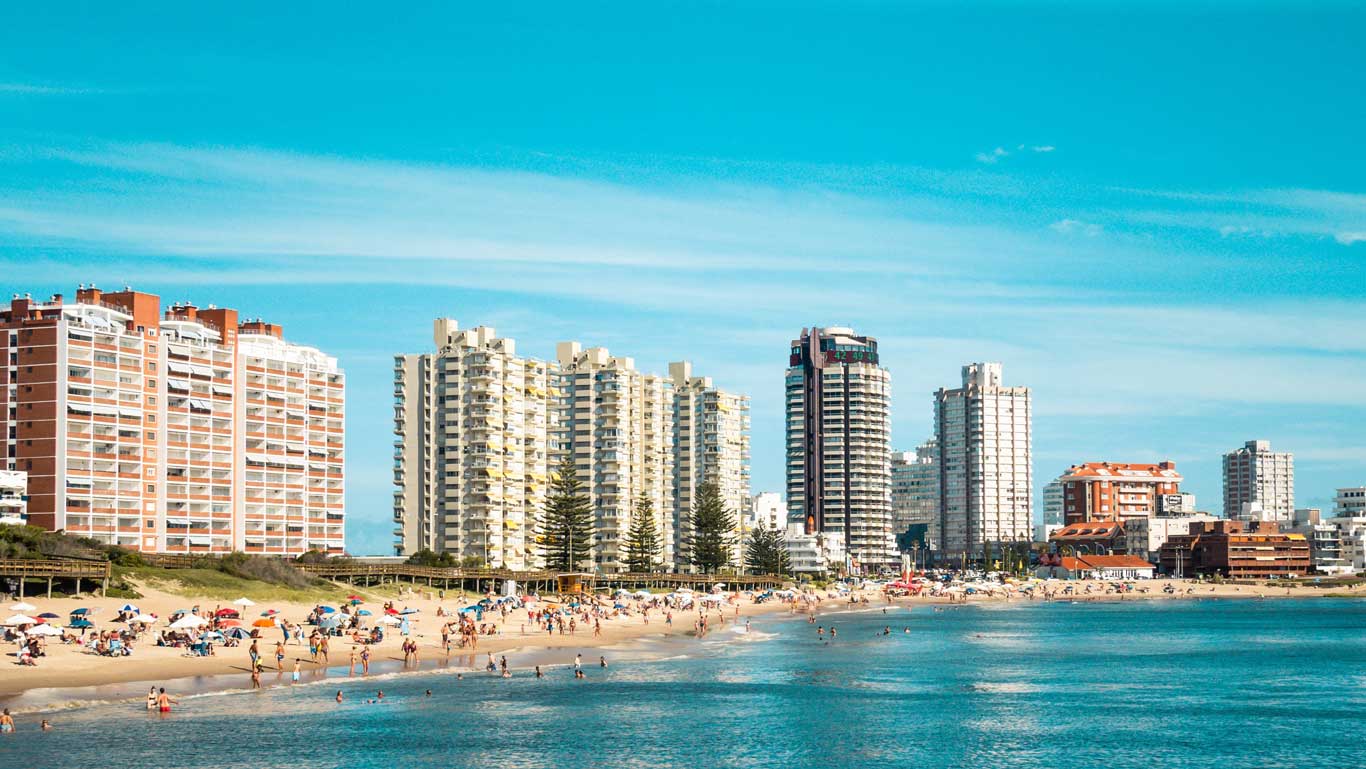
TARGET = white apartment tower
(985,464)
(471,460)
(1259,484)
(838,444)
(711,443)
(617,424)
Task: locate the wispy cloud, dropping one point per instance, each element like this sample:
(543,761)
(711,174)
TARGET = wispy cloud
(1075,226)
(42,89)
(993,156)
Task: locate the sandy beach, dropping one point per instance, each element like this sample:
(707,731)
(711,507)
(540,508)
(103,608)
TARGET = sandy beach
(70,673)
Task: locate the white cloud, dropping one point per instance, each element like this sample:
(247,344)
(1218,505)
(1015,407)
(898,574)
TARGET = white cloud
(1348,238)
(993,156)
(36,89)
(1075,227)
(1043,148)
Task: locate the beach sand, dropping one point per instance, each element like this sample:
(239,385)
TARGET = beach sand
(70,674)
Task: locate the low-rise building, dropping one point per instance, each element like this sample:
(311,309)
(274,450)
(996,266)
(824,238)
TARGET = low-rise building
(1108,567)
(1352,541)
(1350,502)
(1144,537)
(1093,537)
(1236,549)
(815,553)
(13,497)
(1325,541)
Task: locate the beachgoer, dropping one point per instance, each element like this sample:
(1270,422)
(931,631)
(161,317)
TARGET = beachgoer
(151,699)
(46,725)
(295,674)
(164,701)
(602,662)
(6,722)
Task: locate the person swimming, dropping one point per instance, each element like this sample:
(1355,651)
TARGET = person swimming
(339,695)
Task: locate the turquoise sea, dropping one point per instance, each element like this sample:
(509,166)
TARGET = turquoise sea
(1226,684)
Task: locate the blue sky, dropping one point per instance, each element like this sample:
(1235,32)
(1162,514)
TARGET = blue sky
(1152,214)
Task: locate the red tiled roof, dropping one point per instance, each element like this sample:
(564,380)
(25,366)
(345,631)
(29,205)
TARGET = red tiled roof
(1088,562)
(1089,530)
(1163,472)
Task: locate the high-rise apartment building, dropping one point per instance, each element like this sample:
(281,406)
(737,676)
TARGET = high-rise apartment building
(617,424)
(838,443)
(1116,491)
(187,431)
(711,444)
(1259,484)
(915,490)
(471,461)
(986,477)
(1350,502)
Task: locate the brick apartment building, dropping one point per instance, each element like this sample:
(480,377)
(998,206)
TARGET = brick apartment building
(1236,549)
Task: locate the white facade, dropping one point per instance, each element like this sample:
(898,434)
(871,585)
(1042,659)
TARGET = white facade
(1144,537)
(816,553)
(711,444)
(13,488)
(1259,484)
(985,460)
(617,424)
(471,462)
(1350,502)
(1352,541)
(766,510)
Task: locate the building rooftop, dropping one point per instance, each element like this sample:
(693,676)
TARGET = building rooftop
(1164,472)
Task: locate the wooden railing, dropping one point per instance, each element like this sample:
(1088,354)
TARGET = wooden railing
(26,569)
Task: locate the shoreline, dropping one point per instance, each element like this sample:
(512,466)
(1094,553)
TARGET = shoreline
(96,680)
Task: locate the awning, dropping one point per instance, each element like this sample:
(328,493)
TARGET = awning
(108,411)
(78,408)
(178,368)
(79,333)
(202,371)
(130,413)
(201,541)
(221,390)
(202,405)
(178,384)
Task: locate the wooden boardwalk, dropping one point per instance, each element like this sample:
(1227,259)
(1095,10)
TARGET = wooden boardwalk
(20,570)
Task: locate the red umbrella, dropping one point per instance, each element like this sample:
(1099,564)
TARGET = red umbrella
(226,613)
(391,610)
(354,598)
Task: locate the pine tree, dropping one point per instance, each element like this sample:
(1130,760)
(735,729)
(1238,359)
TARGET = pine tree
(765,552)
(642,546)
(712,525)
(566,529)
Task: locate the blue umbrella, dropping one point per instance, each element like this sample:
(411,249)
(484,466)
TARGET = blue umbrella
(237,632)
(364,612)
(410,611)
(79,611)
(128,607)
(327,609)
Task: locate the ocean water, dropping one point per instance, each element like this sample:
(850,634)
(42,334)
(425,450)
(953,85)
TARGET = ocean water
(1176,684)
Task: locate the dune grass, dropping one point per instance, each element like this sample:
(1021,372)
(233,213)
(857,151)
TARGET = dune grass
(211,584)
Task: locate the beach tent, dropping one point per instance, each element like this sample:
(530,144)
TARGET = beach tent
(327,623)
(80,612)
(80,623)
(20,619)
(187,622)
(244,601)
(22,606)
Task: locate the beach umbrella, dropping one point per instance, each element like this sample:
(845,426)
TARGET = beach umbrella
(363,613)
(226,613)
(326,609)
(45,630)
(22,606)
(389,620)
(391,610)
(49,615)
(145,619)
(188,621)
(244,602)
(229,623)
(81,611)
(354,598)
(355,601)
(264,622)
(410,611)
(129,607)
(270,612)
(237,632)
(20,619)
